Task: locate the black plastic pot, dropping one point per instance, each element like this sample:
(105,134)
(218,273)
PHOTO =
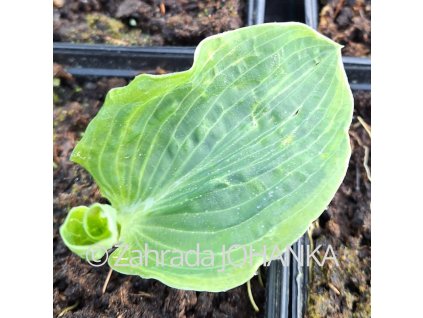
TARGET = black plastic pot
(255,11)
(284,11)
(311,10)
(286,286)
(96,60)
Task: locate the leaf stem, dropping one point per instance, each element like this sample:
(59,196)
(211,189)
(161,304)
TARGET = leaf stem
(310,230)
(250,296)
(260,279)
(365,126)
(107,281)
(68,309)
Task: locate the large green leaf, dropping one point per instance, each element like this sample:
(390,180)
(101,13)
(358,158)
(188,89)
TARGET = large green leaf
(246,147)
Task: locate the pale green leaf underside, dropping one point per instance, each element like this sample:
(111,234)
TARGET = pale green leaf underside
(246,147)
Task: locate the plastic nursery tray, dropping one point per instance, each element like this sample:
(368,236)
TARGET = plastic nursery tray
(96,60)
(287,284)
(116,61)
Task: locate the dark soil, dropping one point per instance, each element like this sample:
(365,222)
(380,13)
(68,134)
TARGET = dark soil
(344,291)
(150,22)
(348,23)
(77,285)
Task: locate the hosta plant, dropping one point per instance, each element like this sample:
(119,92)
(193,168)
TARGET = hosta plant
(230,160)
